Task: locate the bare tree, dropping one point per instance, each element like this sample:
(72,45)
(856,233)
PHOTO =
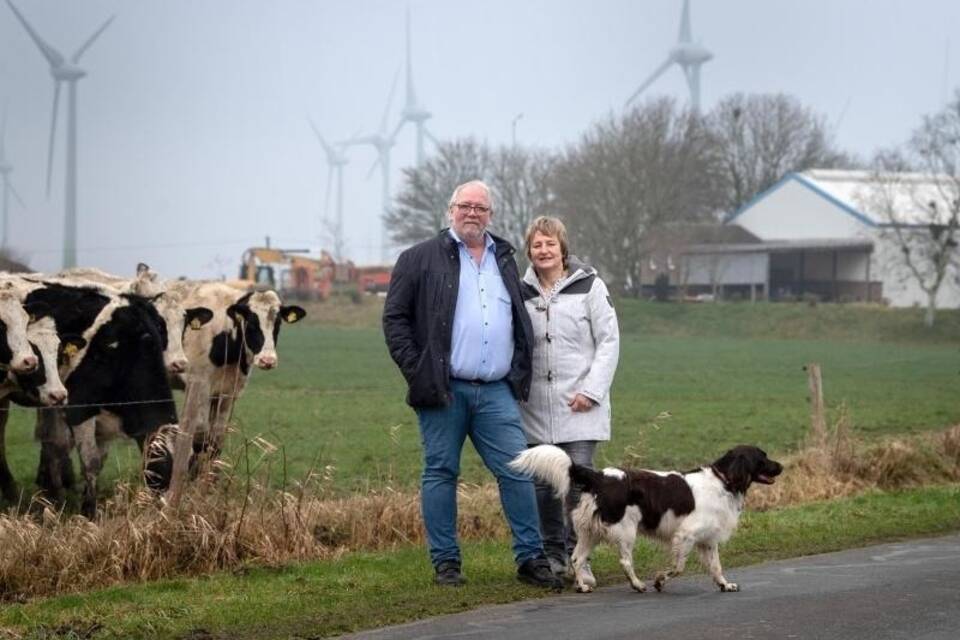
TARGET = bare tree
(762,137)
(650,168)
(922,211)
(420,209)
(518,177)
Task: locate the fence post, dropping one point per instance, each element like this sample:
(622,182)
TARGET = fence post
(193,415)
(818,423)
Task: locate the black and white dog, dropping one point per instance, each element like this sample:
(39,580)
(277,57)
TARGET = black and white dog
(699,509)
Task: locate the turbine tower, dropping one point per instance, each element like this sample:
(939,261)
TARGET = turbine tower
(336,160)
(414,112)
(62,71)
(382,143)
(689,55)
(5,169)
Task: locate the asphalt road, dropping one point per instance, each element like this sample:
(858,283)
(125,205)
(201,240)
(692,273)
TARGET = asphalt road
(901,590)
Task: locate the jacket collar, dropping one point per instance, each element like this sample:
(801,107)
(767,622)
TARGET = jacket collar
(576,269)
(501,246)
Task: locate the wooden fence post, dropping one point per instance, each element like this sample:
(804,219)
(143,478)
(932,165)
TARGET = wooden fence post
(818,423)
(193,415)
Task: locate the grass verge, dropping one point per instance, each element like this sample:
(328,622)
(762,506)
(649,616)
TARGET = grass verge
(366,590)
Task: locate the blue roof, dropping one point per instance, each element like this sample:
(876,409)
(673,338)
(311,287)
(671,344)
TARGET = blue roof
(809,184)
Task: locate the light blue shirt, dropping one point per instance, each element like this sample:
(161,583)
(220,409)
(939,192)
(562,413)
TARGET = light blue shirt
(482,345)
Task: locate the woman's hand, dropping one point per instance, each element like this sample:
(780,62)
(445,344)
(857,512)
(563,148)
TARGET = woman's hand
(581,403)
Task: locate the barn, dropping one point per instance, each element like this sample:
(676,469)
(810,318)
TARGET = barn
(824,234)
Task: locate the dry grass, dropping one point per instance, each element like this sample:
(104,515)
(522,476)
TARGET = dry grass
(843,465)
(228,520)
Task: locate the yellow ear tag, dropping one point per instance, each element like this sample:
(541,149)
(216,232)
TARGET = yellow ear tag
(292,316)
(70,350)
(195,323)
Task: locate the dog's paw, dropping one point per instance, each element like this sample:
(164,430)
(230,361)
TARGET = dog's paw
(729,587)
(583,587)
(639,586)
(659,581)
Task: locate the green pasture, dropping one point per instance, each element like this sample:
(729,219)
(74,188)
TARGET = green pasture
(366,590)
(692,380)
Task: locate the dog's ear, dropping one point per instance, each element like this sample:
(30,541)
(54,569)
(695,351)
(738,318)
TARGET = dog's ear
(737,470)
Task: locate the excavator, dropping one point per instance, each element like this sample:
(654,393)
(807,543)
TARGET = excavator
(297,276)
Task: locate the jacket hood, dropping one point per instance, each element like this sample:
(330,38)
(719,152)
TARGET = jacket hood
(577,270)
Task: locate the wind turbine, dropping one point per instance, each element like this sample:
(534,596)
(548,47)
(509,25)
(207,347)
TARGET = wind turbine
(62,71)
(414,112)
(688,55)
(382,143)
(5,169)
(336,160)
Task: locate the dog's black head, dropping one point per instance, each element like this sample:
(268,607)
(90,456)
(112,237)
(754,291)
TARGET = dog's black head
(745,464)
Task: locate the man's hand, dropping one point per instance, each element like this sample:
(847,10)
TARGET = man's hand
(581,403)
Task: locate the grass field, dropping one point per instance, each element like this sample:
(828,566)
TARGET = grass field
(365,590)
(692,380)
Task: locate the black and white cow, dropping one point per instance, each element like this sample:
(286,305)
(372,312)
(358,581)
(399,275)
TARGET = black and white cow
(169,303)
(40,388)
(119,377)
(15,351)
(242,334)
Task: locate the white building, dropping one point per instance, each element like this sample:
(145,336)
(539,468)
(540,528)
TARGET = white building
(825,232)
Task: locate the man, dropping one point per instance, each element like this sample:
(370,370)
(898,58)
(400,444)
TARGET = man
(456,325)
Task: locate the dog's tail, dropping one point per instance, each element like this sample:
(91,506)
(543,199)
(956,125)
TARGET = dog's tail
(553,466)
(548,464)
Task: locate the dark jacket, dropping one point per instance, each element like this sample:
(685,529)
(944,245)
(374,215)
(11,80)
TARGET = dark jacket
(418,318)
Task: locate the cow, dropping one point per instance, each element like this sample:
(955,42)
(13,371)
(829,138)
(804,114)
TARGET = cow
(169,304)
(40,388)
(119,377)
(242,334)
(15,351)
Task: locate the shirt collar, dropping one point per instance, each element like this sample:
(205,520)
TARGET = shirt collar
(488,241)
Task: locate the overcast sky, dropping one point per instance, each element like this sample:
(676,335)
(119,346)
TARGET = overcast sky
(193,134)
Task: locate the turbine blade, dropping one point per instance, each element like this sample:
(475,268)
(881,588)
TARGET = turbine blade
(3,134)
(54,57)
(326,196)
(653,76)
(684,35)
(386,112)
(396,131)
(373,167)
(16,195)
(326,146)
(430,136)
(411,92)
(693,80)
(53,132)
(86,45)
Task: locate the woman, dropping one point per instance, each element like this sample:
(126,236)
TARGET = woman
(577,344)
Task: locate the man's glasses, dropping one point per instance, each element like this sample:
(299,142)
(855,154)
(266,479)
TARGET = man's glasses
(465,208)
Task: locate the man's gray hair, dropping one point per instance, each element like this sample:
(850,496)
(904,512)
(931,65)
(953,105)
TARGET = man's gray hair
(473,183)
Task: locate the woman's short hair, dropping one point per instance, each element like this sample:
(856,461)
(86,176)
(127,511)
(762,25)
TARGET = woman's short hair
(552,227)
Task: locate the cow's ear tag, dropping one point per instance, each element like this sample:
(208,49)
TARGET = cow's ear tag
(70,350)
(292,316)
(195,323)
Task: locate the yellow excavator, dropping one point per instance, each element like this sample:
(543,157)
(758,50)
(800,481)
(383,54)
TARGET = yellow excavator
(294,275)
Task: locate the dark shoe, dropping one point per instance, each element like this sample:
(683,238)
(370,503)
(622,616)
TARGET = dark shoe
(558,566)
(448,574)
(536,571)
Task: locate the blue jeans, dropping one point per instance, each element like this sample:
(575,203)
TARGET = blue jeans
(489,414)
(556,527)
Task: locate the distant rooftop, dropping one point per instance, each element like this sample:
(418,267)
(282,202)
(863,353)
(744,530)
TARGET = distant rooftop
(871,194)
